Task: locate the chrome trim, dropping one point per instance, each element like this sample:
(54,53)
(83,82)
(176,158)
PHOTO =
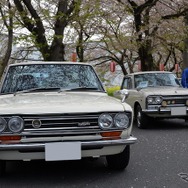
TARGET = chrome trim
(99,143)
(38,121)
(163,110)
(61,124)
(174,97)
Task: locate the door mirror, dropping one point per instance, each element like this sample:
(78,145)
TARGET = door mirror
(121,94)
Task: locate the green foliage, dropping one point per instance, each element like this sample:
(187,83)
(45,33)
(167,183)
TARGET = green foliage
(111,90)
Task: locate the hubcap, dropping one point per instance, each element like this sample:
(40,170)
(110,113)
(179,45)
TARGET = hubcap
(138,118)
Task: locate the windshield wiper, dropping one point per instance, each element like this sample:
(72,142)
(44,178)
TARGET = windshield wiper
(81,89)
(38,89)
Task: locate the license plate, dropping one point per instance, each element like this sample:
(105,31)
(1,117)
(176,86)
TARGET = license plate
(178,111)
(62,151)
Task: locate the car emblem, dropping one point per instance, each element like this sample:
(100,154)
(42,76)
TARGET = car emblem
(36,123)
(83,124)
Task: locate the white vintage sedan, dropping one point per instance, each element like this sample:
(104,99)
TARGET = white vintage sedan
(60,111)
(154,95)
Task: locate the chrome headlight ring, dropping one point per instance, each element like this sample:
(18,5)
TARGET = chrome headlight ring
(16,124)
(121,120)
(150,100)
(158,100)
(3,124)
(105,121)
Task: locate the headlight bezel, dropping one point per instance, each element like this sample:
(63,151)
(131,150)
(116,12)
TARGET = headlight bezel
(103,119)
(12,120)
(154,100)
(114,118)
(126,118)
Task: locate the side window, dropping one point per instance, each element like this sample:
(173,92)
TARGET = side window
(127,83)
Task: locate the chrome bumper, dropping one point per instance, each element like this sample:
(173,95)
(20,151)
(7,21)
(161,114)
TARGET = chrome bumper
(84,144)
(159,111)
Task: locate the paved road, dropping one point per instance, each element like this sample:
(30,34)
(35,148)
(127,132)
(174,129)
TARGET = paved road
(158,160)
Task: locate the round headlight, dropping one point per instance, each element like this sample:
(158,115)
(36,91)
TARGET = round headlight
(158,100)
(105,121)
(16,124)
(150,100)
(121,120)
(3,124)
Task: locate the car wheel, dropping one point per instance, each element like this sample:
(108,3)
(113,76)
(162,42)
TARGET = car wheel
(119,161)
(2,167)
(142,120)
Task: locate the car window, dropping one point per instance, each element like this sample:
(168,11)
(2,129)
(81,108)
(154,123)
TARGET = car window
(64,76)
(127,83)
(155,80)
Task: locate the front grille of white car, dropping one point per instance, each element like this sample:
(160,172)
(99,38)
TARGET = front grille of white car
(61,124)
(65,124)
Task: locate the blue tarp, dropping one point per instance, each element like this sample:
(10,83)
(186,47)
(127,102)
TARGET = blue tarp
(184,80)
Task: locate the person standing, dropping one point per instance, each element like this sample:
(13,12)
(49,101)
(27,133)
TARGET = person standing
(184,78)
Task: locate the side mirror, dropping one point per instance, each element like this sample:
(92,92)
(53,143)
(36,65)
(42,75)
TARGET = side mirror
(121,94)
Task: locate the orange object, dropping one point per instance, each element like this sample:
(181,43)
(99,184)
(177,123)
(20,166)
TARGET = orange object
(161,67)
(112,66)
(8,139)
(139,66)
(111,135)
(74,57)
(176,67)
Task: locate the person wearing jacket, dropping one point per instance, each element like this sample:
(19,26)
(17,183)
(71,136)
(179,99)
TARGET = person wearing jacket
(184,78)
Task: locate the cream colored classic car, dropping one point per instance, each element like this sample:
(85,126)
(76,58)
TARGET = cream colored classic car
(154,94)
(60,111)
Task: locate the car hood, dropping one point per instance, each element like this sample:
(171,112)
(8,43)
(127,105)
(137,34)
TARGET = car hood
(165,91)
(54,102)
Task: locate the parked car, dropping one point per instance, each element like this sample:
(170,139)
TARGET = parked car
(154,95)
(60,111)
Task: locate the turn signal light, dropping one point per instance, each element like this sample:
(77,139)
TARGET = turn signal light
(11,139)
(111,135)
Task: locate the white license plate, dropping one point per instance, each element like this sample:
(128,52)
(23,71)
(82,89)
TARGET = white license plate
(178,111)
(62,151)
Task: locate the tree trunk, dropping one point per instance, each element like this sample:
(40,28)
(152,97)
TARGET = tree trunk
(10,38)
(57,52)
(146,58)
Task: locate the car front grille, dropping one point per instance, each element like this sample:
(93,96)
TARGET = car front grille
(60,124)
(175,100)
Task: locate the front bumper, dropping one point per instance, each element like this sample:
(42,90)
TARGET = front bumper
(84,144)
(37,151)
(167,112)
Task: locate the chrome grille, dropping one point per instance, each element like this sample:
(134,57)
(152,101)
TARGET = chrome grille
(177,99)
(66,124)
(61,124)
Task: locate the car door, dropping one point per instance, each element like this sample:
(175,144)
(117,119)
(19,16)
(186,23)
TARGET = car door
(128,83)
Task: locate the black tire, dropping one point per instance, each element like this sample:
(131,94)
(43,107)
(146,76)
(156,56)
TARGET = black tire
(2,167)
(142,120)
(119,161)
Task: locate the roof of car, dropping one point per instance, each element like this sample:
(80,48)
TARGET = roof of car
(146,72)
(49,62)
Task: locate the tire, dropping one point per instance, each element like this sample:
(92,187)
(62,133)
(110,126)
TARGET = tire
(142,120)
(119,161)
(2,167)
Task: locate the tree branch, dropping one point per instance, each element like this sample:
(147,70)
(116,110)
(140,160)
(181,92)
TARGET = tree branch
(177,15)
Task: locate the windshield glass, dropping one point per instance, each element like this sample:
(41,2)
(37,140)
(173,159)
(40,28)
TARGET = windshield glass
(155,80)
(63,76)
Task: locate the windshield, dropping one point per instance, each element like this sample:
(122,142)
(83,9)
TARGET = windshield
(63,76)
(155,80)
